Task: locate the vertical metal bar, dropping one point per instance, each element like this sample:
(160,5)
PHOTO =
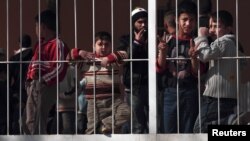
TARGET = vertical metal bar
(177,52)
(198,15)
(237,63)
(21,64)
(199,75)
(7,58)
(76,75)
(151,67)
(218,63)
(57,67)
(94,89)
(112,37)
(248,96)
(39,46)
(131,66)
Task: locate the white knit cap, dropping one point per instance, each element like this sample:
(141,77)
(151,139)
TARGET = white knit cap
(138,13)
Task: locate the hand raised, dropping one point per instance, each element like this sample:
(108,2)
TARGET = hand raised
(163,41)
(139,36)
(203,31)
(193,52)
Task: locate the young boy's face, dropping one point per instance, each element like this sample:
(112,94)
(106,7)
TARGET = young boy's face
(102,47)
(170,29)
(187,23)
(217,30)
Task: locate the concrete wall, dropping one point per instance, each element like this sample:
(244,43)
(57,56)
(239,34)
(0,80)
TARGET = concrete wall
(84,19)
(102,11)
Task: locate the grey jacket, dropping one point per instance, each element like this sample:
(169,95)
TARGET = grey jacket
(221,79)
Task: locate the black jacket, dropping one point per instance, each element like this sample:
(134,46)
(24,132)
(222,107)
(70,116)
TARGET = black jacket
(140,68)
(15,69)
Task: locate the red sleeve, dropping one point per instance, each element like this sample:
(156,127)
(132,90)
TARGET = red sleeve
(159,69)
(117,56)
(52,68)
(75,53)
(111,58)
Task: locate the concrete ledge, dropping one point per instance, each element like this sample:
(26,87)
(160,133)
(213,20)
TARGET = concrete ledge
(113,137)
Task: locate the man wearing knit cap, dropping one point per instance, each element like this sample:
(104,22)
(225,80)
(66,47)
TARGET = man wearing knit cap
(139,89)
(140,22)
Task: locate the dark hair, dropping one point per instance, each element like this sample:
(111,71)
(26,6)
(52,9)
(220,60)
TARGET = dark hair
(48,18)
(26,40)
(102,35)
(170,18)
(187,7)
(224,16)
(205,6)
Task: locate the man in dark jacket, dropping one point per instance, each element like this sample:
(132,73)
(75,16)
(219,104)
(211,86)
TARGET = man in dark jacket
(139,70)
(18,71)
(3,93)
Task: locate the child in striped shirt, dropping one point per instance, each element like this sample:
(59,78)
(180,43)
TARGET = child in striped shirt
(103,83)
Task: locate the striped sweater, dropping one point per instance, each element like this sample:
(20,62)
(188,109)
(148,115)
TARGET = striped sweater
(99,79)
(222,74)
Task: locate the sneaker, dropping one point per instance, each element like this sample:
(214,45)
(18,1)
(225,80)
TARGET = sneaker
(105,130)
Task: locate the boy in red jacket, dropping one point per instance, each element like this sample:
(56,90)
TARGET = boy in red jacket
(42,76)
